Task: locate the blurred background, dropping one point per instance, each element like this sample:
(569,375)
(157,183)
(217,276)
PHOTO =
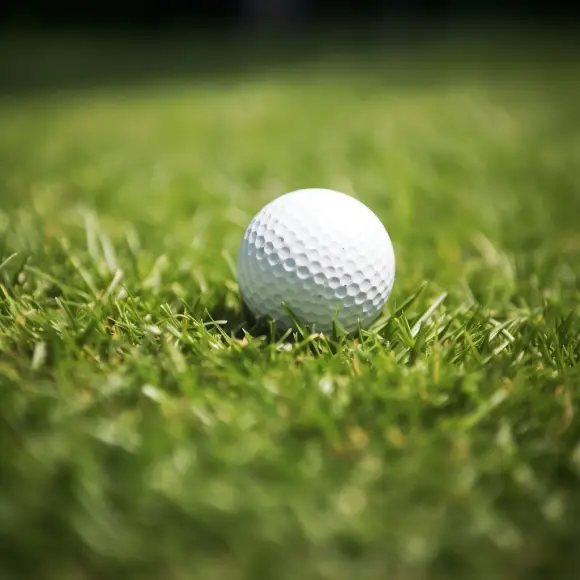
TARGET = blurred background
(274,12)
(328,25)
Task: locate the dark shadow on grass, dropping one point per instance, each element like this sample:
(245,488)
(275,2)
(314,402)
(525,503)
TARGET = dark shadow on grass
(237,322)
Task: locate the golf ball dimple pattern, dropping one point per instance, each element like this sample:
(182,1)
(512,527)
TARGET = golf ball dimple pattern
(322,253)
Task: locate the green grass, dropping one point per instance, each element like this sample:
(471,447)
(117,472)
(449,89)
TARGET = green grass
(147,430)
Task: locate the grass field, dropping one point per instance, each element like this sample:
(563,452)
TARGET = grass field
(148,431)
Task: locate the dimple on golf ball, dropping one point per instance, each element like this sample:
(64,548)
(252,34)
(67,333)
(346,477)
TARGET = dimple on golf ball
(323,254)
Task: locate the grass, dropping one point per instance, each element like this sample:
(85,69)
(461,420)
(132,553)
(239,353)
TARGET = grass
(148,430)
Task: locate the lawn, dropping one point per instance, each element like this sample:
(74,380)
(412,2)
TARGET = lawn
(148,430)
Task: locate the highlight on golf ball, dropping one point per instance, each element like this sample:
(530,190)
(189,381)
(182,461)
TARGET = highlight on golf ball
(321,253)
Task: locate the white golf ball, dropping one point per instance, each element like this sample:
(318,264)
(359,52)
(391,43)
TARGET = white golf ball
(323,254)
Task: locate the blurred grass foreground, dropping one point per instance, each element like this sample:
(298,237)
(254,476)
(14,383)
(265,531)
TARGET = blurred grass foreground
(147,430)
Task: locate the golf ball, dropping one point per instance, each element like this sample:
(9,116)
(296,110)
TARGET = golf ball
(323,254)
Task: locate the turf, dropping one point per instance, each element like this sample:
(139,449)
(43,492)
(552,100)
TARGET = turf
(148,429)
